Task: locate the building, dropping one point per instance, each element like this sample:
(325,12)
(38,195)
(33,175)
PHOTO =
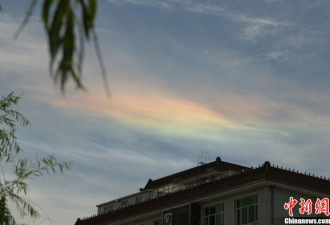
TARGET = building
(217,193)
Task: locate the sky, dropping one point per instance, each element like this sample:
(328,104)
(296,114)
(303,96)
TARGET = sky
(244,80)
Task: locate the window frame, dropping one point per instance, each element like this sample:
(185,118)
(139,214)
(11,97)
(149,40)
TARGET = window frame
(222,213)
(256,209)
(158,220)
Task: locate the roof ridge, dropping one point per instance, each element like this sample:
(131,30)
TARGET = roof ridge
(217,165)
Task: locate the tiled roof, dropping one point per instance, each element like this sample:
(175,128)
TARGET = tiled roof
(266,172)
(201,170)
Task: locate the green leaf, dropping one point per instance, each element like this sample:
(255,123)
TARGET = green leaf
(66,59)
(45,13)
(16,189)
(92,7)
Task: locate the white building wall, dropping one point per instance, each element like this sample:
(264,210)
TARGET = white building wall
(282,196)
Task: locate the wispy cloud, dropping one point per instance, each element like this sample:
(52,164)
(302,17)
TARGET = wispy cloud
(151,109)
(150,3)
(204,8)
(254,27)
(278,55)
(258,26)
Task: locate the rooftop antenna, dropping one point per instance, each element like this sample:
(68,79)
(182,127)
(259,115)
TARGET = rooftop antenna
(203,158)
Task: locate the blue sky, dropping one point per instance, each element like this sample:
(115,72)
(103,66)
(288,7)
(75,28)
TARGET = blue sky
(244,80)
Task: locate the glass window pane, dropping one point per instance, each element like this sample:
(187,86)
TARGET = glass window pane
(256,212)
(212,220)
(218,219)
(218,209)
(206,211)
(238,203)
(251,214)
(248,201)
(244,216)
(212,210)
(238,217)
(256,199)
(206,221)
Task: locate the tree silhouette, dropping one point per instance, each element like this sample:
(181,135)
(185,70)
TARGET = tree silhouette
(14,170)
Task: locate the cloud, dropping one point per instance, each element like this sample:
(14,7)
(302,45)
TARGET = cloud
(193,7)
(189,6)
(149,108)
(25,55)
(278,55)
(150,3)
(259,26)
(204,9)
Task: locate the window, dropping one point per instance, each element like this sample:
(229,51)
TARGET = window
(214,215)
(167,219)
(247,210)
(108,208)
(139,199)
(124,203)
(157,222)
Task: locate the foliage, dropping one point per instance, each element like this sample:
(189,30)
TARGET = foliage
(61,35)
(68,24)
(15,188)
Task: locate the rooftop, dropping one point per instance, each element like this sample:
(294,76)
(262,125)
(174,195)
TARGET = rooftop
(193,173)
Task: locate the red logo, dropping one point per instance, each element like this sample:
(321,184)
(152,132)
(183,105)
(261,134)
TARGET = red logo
(290,205)
(305,206)
(321,206)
